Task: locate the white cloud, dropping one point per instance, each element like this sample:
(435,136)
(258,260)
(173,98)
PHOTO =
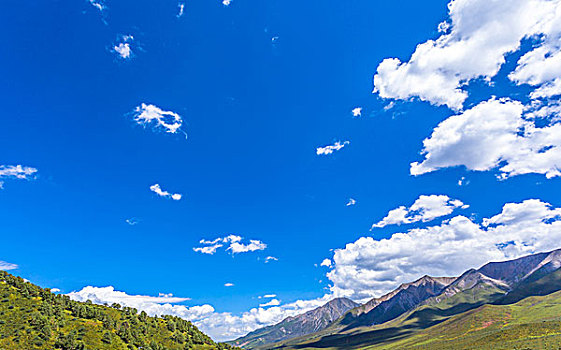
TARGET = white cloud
(228,284)
(55,290)
(158,190)
(233,243)
(152,115)
(154,306)
(132,221)
(274,302)
(254,245)
(498,133)
(210,250)
(16,172)
(473,45)
(268,296)
(270,258)
(326,263)
(181,9)
(503,133)
(369,267)
(463,181)
(123,48)
(97,4)
(6,266)
(351,202)
(226,2)
(357,112)
(219,325)
(425,208)
(532,210)
(326,150)
(226,326)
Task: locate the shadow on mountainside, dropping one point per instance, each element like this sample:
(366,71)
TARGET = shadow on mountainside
(418,320)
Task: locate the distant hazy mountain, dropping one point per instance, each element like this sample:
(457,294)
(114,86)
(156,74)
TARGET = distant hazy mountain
(309,322)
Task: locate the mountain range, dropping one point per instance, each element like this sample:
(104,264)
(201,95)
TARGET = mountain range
(420,307)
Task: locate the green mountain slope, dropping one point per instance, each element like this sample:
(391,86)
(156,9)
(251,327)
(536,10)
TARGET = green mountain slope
(34,318)
(496,286)
(532,323)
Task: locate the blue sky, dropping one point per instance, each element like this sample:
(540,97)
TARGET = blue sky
(259,86)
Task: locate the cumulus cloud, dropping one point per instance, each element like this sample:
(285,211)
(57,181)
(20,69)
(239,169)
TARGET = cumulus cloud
(351,202)
(210,250)
(268,296)
(273,302)
(227,326)
(123,47)
(473,44)
(326,263)
(425,208)
(463,181)
(498,133)
(181,7)
(512,136)
(55,290)
(6,266)
(228,284)
(97,4)
(220,326)
(234,244)
(368,268)
(132,221)
(154,306)
(326,150)
(253,246)
(16,172)
(270,258)
(158,190)
(168,121)
(357,112)
(226,2)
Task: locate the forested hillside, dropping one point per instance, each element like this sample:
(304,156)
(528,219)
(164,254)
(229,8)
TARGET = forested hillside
(34,318)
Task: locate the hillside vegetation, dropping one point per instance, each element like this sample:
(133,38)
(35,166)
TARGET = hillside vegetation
(34,318)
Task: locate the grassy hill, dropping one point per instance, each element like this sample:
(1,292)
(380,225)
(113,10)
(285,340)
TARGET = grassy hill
(34,318)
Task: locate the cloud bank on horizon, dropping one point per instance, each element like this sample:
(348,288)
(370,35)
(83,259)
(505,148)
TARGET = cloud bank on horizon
(369,268)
